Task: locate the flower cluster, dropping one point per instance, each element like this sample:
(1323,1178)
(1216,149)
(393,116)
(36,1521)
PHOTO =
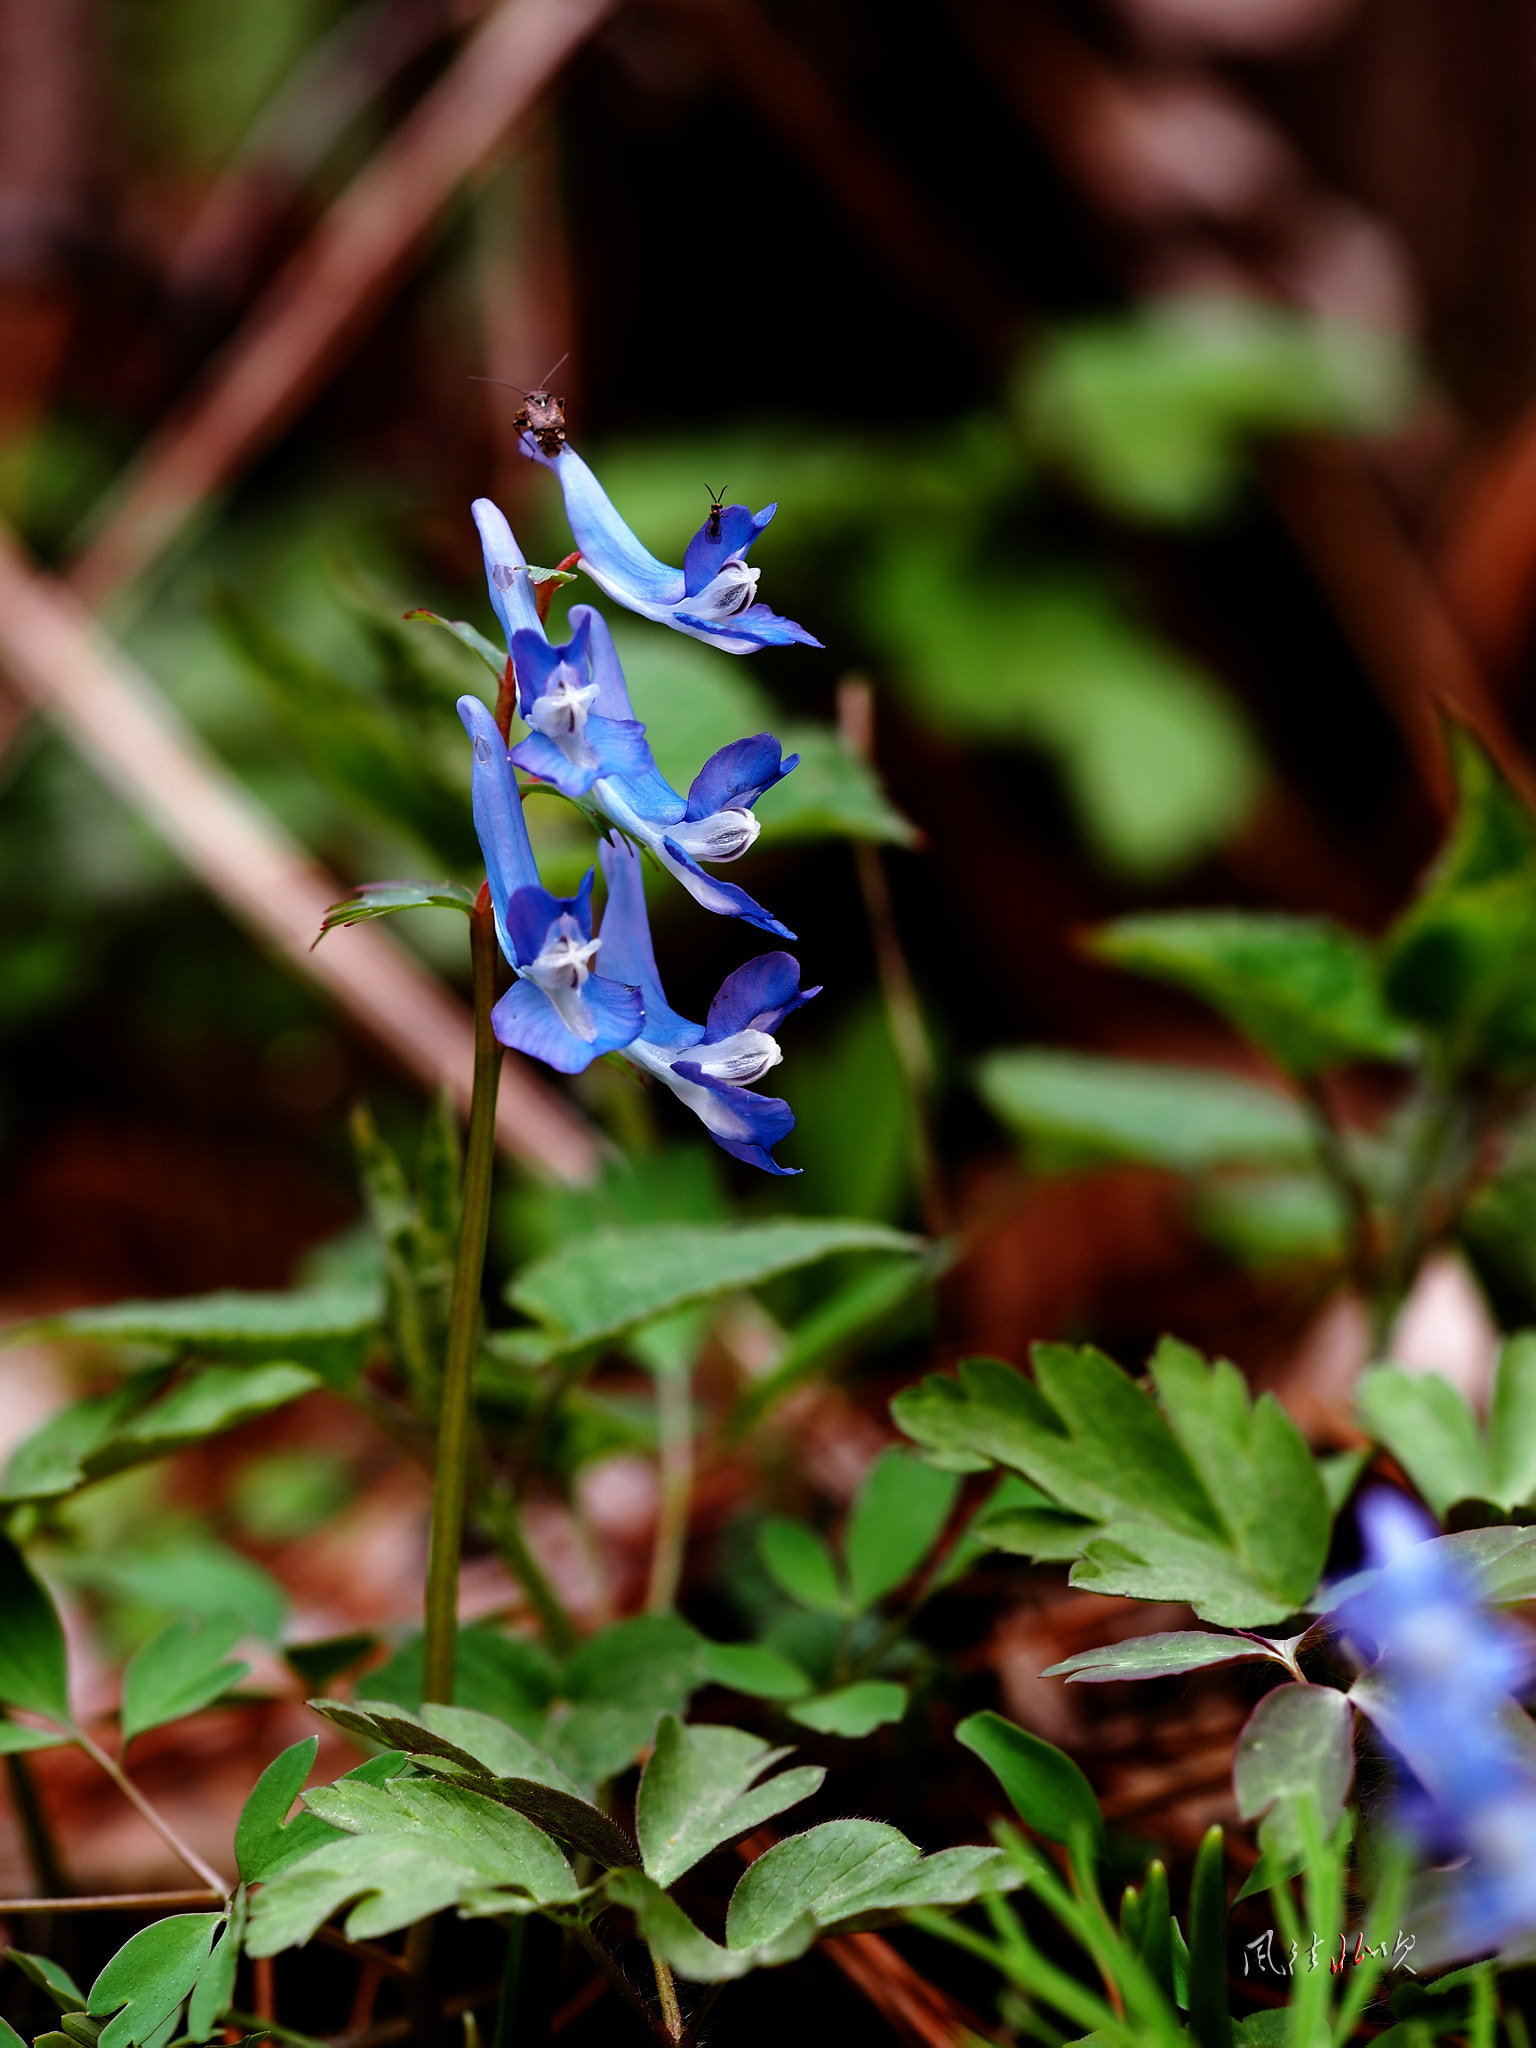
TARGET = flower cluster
(578,993)
(1443,1682)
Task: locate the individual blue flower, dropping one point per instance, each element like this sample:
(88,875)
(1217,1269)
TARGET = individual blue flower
(558,1010)
(711,1067)
(712,597)
(577,708)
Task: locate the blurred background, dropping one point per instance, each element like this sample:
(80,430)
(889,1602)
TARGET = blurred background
(1144,388)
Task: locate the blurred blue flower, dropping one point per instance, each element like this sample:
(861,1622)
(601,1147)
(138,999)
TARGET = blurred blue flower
(558,1010)
(710,1067)
(711,597)
(1444,1675)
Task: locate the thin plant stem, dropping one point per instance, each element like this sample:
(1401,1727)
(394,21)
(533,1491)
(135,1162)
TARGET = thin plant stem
(700,2014)
(903,1011)
(502,1523)
(113,1902)
(1480,2031)
(666,1991)
(162,1827)
(1339,1168)
(256,2023)
(674,1431)
(456,1415)
(621,1984)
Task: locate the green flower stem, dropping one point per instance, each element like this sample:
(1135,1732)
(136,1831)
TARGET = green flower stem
(251,2023)
(666,1990)
(499,1518)
(456,1415)
(621,1984)
(674,1431)
(162,1827)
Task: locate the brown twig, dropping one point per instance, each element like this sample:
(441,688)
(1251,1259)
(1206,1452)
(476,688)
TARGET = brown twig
(53,652)
(334,284)
(115,1902)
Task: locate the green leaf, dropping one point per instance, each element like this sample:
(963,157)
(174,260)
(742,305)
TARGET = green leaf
(9,2038)
(1046,1534)
(800,1564)
(1302,988)
(1428,1427)
(225,1323)
(215,1989)
(1153,412)
(33,1668)
(536,1788)
(1461,961)
(1162,1655)
(1296,1745)
(381,899)
(316,1663)
(1200,1496)
(853,1874)
(617,1686)
(1073,1108)
(150,1975)
(185,1571)
(103,1434)
(1271,1220)
(898,1515)
(1045,1787)
(409,1848)
(51,1978)
(494,657)
(853,1710)
(18,1741)
(593,1289)
(1512,1423)
(756,1670)
(266,1841)
(699,1790)
(180,1669)
(832,794)
(1209,2019)
(493,1673)
(691,1953)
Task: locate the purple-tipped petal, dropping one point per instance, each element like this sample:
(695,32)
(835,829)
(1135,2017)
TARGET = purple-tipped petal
(737,776)
(724,898)
(741,1123)
(756,627)
(757,997)
(498,811)
(512,597)
(609,551)
(527,1020)
(539,756)
(705,555)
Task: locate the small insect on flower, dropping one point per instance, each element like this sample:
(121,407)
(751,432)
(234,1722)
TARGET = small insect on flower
(543,415)
(716,507)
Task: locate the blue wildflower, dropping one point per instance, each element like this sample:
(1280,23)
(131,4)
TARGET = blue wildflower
(558,1010)
(1441,1690)
(577,708)
(711,597)
(506,572)
(711,1067)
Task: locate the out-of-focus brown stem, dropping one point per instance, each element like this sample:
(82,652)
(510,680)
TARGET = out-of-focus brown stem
(904,1014)
(335,283)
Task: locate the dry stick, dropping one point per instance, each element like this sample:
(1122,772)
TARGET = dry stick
(139,744)
(334,284)
(183,1851)
(115,1902)
(904,1013)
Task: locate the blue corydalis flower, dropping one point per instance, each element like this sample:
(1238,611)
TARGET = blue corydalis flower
(577,707)
(711,1067)
(558,1010)
(712,597)
(506,572)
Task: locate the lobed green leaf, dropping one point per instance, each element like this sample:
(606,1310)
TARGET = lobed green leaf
(1046,1789)
(699,1790)
(181,1668)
